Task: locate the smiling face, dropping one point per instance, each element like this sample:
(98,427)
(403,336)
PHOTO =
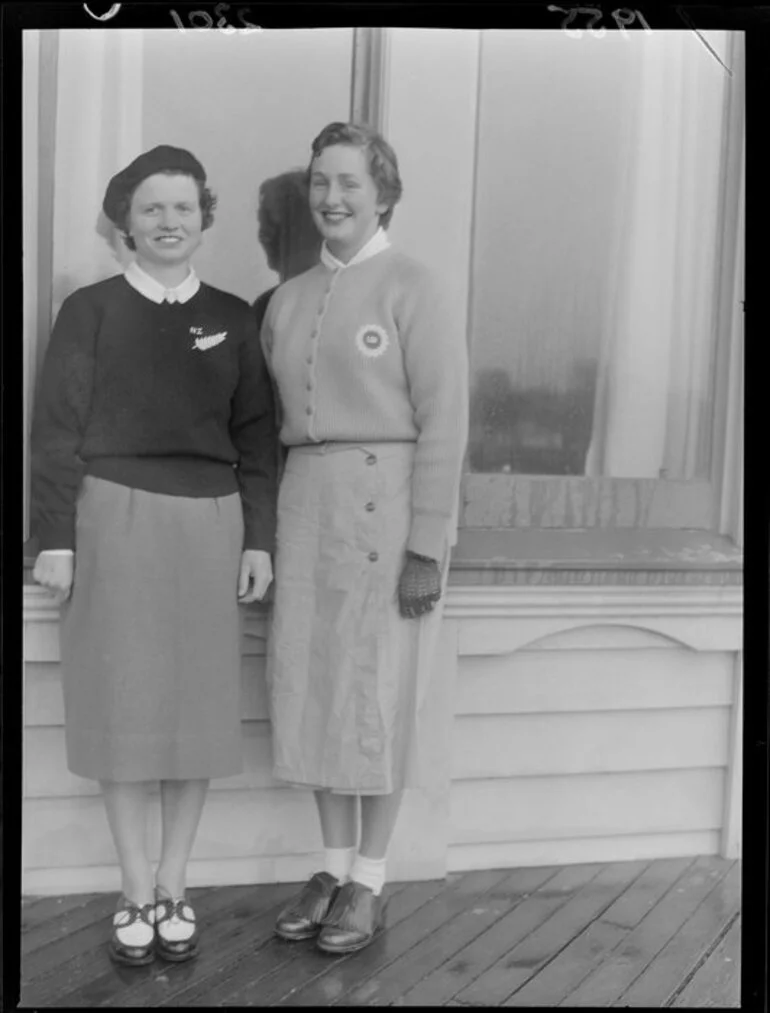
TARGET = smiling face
(165,221)
(343,199)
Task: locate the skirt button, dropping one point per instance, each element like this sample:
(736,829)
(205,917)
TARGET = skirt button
(371,459)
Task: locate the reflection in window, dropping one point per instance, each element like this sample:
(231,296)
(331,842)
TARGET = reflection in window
(597,186)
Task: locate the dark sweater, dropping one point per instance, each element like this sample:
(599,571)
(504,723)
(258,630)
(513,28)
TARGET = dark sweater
(133,392)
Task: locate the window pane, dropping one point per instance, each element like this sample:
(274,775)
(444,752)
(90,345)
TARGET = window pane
(594,255)
(243,105)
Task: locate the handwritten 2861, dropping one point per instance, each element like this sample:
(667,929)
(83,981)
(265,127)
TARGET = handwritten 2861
(195,17)
(622,17)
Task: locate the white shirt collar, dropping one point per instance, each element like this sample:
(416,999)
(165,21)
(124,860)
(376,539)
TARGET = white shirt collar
(376,244)
(152,289)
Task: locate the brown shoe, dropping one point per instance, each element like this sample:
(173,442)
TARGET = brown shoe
(302,917)
(355,918)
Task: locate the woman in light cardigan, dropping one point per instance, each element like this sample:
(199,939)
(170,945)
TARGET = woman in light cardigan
(372,375)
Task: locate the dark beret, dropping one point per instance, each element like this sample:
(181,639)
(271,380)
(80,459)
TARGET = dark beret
(164,158)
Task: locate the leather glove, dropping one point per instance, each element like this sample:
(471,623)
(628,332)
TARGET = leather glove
(419,587)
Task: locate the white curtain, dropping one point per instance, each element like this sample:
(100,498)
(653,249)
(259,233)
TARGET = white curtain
(652,413)
(30,198)
(98,132)
(731,505)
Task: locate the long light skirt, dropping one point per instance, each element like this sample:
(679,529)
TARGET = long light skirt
(150,639)
(347,674)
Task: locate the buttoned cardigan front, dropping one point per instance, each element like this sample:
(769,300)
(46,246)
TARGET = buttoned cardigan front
(369,352)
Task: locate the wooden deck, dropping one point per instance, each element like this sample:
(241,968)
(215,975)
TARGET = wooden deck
(661,933)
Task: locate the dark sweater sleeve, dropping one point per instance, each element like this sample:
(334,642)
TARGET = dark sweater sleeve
(260,305)
(59,421)
(253,432)
(266,340)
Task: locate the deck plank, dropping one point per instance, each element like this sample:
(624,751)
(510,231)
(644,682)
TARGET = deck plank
(254,975)
(550,985)
(37,911)
(64,924)
(642,896)
(309,965)
(335,981)
(717,982)
(239,930)
(643,934)
(87,977)
(687,949)
(623,965)
(86,931)
(437,947)
(523,960)
(471,961)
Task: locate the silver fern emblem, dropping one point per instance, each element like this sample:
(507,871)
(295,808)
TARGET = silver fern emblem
(209,341)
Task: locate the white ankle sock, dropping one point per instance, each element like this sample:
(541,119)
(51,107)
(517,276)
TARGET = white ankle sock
(369,872)
(338,861)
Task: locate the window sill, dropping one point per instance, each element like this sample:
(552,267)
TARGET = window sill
(596,556)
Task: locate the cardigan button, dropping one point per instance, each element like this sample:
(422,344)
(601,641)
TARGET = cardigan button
(371,459)
(370,506)
(373,557)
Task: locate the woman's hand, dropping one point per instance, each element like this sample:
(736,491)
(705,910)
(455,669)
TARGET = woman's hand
(55,571)
(257,571)
(419,587)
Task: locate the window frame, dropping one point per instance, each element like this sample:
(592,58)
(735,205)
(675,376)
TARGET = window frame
(536,502)
(41,65)
(504,501)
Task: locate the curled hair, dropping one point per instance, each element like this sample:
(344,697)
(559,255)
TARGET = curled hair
(380,159)
(207,201)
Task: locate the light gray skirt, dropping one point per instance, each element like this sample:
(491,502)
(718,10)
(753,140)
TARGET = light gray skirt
(150,638)
(347,674)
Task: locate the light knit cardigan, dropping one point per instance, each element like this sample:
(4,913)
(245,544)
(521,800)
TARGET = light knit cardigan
(369,352)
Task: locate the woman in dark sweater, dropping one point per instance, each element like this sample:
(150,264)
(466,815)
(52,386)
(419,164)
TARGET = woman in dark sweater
(153,502)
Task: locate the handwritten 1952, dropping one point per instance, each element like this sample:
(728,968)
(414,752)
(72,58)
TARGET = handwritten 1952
(623,17)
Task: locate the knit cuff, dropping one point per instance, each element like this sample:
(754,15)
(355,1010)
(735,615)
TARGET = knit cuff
(429,536)
(255,537)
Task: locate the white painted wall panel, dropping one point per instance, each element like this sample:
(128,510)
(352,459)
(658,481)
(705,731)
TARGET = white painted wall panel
(536,744)
(262,829)
(570,851)
(513,633)
(586,805)
(41,641)
(73,831)
(47,776)
(549,680)
(44,703)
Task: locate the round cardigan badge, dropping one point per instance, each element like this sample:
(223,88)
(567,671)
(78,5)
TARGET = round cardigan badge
(372,340)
